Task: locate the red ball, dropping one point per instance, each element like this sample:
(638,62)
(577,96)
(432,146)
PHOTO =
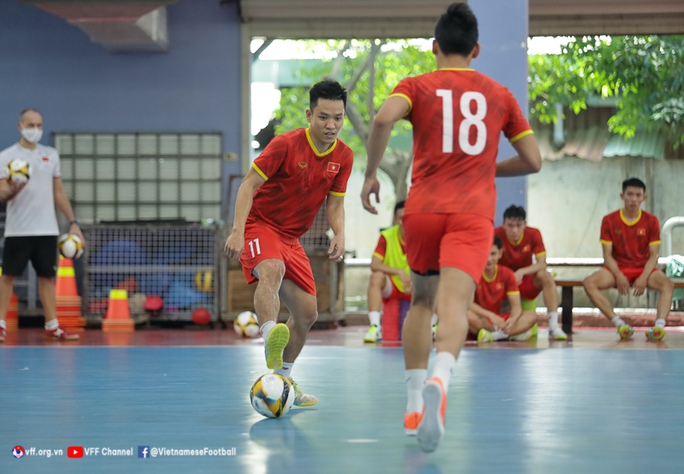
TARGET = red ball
(201,316)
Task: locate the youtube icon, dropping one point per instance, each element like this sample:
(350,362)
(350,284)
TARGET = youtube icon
(75,451)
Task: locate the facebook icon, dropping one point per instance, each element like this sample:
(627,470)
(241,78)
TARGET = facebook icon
(143,451)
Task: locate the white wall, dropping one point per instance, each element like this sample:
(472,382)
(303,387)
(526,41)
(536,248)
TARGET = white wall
(363,228)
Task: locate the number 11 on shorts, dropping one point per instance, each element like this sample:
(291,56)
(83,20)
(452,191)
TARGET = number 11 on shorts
(254,245)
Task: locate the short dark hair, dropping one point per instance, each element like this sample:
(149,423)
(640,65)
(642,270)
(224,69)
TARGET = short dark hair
(456,31)
(498,242)
(327,89)
(21,115)
(399,205)
(633,183)
(515,212)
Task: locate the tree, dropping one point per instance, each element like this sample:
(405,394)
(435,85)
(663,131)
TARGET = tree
(644,73)
(369,69)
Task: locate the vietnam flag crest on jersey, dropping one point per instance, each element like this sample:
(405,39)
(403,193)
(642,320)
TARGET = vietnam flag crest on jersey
(333,167)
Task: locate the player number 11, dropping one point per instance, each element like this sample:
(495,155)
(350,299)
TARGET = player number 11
(469,120)
(254,245)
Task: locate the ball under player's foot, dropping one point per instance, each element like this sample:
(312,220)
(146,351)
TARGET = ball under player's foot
(625,331)
(431,427)
(302,399)
(374,334)
(277,341)
(655,334)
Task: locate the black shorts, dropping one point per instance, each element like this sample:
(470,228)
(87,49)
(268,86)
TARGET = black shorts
(41,250)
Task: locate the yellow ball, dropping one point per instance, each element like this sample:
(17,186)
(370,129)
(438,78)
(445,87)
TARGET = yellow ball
(272,395)
(70,246)
(203,282)
(246,324)
(18,171)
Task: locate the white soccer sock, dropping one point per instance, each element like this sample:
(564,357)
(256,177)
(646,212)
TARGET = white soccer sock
(443,366)
(617,321)
(3,324)
(52,325)
(499,334)
(285,370)
(553,320)
(415,379)
(660,323)
(265,329)
(435,318)
(374,318)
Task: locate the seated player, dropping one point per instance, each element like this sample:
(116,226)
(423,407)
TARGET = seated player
(520,243)
(484,316)
(630,239)
(391,273)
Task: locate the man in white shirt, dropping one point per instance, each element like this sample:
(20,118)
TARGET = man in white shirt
(31,226)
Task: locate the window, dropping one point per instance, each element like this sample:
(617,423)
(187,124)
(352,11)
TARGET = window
(136,176)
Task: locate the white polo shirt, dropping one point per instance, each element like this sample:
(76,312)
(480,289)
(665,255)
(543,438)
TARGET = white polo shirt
(32,211)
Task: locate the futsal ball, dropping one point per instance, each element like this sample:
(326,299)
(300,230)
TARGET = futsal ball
(18,171)
(203,282)
(272,395)
(70,246)
(246,324)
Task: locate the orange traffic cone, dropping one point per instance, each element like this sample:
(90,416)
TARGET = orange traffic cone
(118,316)
(12,316)
(68,302)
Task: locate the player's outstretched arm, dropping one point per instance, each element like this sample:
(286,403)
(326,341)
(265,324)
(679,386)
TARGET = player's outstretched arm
(391,111)
(235,242)
(527,161)
(335,213)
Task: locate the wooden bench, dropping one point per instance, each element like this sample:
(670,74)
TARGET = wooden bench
(566,286)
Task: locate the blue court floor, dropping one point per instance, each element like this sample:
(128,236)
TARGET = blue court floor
(579,410)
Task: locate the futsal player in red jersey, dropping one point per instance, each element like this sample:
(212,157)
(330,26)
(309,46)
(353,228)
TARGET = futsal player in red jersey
(498,284)
(276,204)
(457,115)
(520,244)
(630,239)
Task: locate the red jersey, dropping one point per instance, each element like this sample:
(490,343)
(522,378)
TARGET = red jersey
(491,293)
(298,180)
(458,116)
(631,241)
(517,255)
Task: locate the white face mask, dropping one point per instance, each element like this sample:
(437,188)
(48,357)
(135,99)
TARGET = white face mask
(32,135)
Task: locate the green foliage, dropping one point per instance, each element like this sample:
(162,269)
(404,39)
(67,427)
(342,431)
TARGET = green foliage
(645,74)
(395,61)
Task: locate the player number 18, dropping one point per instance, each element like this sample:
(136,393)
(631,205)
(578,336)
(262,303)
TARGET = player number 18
(469,120)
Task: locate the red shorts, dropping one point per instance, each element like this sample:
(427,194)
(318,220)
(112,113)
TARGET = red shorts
(394,292)
(505,317)
(263,243)
(461,241)
(527,289)
(631,273)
